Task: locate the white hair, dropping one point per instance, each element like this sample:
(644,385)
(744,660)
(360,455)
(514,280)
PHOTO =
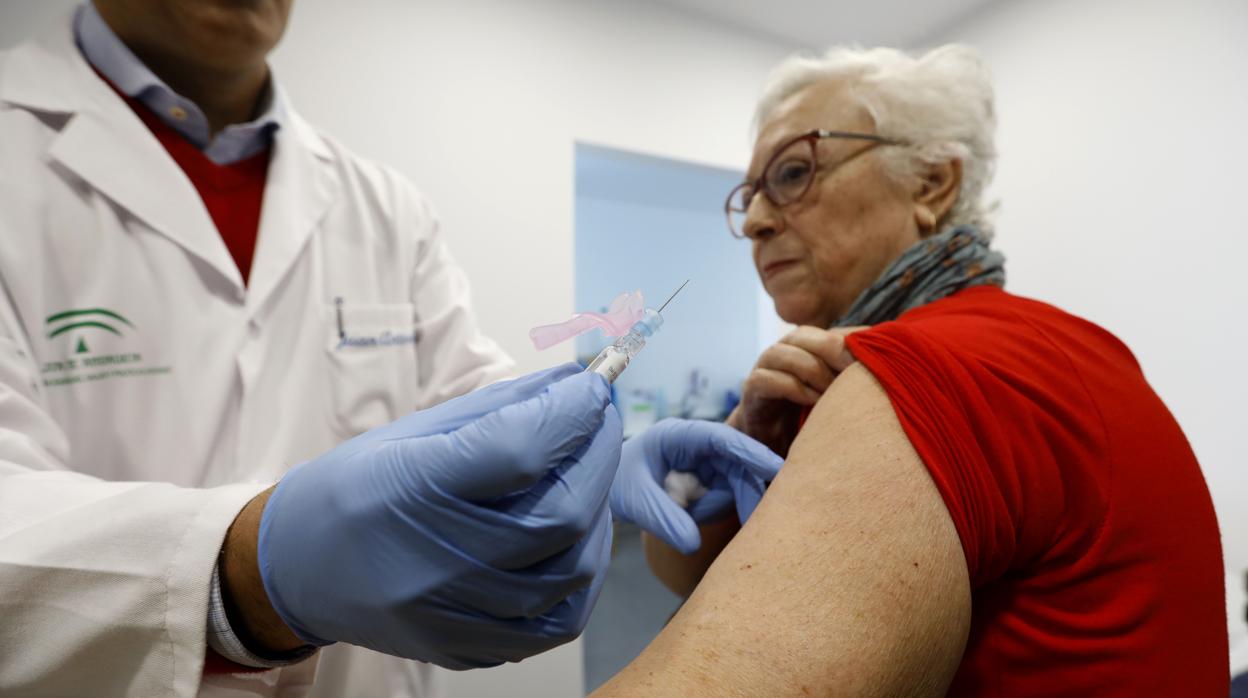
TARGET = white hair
(941,103)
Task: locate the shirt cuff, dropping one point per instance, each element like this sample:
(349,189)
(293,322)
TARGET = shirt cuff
(223,641)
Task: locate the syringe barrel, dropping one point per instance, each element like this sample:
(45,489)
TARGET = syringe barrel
(610,363)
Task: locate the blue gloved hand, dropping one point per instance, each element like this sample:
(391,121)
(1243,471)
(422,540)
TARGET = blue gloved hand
(734,467)
(466,535)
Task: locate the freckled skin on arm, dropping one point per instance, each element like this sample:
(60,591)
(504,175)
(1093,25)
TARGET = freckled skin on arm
(849,579)
(681,573)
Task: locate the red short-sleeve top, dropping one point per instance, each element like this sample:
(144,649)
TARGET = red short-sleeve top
(1089,532)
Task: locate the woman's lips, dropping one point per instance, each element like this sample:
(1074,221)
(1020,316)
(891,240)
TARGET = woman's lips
(773,268)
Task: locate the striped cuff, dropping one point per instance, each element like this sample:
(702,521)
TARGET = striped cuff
(223,641)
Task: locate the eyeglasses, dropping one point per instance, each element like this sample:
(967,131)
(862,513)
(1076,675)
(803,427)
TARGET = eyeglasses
(789,174)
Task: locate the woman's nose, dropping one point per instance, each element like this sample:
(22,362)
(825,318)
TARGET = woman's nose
(762,220)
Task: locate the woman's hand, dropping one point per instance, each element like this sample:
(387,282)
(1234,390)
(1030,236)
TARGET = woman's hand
(791,375)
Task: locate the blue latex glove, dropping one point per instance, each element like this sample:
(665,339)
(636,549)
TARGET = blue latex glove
(466,535)
(733,467)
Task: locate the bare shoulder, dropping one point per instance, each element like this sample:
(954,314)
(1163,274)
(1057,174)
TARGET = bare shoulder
(848,579)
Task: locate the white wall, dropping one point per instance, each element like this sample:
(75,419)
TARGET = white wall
(480,103)
(1122,179)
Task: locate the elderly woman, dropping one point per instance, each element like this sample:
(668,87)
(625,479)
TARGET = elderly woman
(987,497)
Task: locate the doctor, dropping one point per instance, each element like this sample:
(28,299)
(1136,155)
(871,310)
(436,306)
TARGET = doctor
(199,291)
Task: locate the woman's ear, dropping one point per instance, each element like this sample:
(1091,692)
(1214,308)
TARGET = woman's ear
(924,220)
(939,186)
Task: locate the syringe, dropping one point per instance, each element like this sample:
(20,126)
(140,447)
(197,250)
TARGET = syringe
(612,361)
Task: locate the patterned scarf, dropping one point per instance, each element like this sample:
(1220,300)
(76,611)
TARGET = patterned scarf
(933,268)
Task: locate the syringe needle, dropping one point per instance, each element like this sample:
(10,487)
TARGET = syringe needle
(669,299)
(612,360)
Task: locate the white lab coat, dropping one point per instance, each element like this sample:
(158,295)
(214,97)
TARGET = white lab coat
(127,446)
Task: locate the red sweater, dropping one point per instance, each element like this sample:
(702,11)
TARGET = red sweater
(232,193)
(1089,534)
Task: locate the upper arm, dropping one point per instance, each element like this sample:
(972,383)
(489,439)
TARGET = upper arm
(849,578)
(681,573)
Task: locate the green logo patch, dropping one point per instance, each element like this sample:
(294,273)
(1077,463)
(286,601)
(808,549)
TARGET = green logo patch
(98,318)
(68,371)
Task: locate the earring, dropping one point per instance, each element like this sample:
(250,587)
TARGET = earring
(925,219)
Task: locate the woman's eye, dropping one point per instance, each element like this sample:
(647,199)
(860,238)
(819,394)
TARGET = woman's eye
(791,172)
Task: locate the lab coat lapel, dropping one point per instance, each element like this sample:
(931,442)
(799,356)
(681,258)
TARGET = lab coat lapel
(104,144)
(297,194)
(122,160)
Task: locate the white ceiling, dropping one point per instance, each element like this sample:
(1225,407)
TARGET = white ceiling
(816,24)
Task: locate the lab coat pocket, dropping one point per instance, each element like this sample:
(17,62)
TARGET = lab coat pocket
(372,372)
